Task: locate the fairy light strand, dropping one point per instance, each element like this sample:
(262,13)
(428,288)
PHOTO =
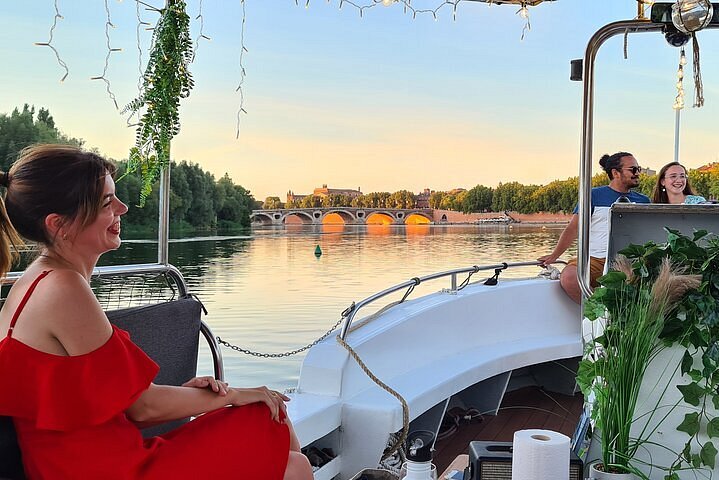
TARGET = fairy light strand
(523,12)
(201,35)
(110,51)
(679,99)
(434,12)
(49,44)
(239,89)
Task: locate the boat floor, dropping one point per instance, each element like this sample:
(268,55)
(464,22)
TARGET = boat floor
(529,407)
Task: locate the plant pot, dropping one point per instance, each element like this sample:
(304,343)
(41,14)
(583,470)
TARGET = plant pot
(602,475)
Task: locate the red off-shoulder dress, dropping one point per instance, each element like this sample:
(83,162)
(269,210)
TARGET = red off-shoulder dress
(69,416)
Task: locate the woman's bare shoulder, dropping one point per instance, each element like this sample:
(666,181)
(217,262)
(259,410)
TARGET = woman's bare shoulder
(63,310)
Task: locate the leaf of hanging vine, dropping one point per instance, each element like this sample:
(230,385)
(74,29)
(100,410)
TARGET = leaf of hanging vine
(166,80)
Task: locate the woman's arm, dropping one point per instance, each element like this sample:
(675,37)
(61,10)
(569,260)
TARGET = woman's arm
(162,403)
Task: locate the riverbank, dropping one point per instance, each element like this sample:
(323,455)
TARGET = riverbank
(541,218)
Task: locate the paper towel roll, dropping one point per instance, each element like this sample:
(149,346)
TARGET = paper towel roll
(540,455)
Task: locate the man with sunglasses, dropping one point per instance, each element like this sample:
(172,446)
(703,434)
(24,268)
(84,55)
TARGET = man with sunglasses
(623,172)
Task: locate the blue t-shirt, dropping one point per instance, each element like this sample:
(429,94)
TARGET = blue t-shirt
(602,200)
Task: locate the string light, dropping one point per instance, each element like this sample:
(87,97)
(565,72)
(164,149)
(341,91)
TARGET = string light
(110,51)
(51,46)
(434,12)
(523,12)
(679,99)
(201,34)
(243,50)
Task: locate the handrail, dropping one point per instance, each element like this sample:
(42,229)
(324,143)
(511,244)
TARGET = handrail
(351,311)
(145,268)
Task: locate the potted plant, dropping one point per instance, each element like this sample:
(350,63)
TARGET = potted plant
(639,310)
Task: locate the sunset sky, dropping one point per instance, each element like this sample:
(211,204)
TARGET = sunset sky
(382,102)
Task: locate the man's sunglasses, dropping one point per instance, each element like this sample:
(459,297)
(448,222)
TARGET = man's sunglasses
(634,170)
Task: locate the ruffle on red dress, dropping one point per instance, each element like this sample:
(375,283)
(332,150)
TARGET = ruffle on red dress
(70,392)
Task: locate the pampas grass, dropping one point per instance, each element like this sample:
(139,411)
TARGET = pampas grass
(630,341)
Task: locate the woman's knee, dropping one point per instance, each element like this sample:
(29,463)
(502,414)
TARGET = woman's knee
(298,467)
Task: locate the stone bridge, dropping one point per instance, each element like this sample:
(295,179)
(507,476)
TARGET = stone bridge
(350,215)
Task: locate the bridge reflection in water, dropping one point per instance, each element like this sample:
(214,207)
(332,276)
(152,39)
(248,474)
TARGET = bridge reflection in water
(342,215)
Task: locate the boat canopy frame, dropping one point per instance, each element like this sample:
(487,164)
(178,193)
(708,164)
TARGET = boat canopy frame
(585,166)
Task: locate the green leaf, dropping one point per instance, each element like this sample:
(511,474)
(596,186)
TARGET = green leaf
(633,251)
(692,393)
(612,279)
(713,427)
(715,401)
(687,362)
(699,234)
(672,476)
(708,454)
(690,424)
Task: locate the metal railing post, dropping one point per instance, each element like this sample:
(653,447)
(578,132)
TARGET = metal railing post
(585,166)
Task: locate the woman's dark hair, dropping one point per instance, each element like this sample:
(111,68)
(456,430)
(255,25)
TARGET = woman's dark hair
(613,162)
(46,179)
(659,194)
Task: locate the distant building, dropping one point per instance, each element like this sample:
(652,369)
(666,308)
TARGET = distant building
(326,192)
(422,198)
(292,197)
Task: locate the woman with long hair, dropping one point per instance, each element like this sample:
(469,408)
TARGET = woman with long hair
(673,186)
(75,386)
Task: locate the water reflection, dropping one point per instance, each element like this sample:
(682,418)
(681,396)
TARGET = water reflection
(268,292)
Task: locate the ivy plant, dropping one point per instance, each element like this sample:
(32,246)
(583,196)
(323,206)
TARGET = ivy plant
(692,322)
(166,80)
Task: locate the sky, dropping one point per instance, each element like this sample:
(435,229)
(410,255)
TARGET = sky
(382,102)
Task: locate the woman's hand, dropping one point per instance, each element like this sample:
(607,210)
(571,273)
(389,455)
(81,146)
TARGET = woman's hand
(217,386)
(273,399)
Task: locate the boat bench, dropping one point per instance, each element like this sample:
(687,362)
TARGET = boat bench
(429,384)
(313,416)
(168,332)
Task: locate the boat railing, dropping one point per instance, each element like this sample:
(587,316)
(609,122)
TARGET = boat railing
(175,282)
(350,312)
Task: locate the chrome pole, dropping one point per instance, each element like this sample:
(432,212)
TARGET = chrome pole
(163,228)
(585,166)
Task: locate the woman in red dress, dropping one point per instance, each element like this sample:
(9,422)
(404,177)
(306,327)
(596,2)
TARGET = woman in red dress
(75,386)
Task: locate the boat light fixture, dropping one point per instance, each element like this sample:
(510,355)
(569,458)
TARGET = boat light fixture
(692,15)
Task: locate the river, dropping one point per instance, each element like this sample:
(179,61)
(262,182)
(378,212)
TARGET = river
(268,292)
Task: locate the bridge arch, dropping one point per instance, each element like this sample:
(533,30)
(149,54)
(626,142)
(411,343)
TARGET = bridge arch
(305,217)
(380,218)
(346,216)
(262,218)
(417,218)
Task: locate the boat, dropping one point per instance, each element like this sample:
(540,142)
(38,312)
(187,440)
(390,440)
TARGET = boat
(471,345)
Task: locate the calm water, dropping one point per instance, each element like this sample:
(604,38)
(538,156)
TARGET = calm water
(268,292)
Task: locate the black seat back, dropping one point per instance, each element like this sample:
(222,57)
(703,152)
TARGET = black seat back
(168,332)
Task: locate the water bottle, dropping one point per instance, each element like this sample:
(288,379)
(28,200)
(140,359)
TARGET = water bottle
(419,457)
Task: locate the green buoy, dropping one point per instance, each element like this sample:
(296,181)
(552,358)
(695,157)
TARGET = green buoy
(318,251)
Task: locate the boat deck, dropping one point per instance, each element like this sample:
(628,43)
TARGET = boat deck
(529,407)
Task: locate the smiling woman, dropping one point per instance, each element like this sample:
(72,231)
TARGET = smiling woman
(673,186)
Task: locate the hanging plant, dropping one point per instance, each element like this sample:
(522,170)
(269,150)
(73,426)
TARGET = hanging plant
(166,80)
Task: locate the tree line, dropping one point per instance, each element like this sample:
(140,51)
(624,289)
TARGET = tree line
(559,196)
(197,200)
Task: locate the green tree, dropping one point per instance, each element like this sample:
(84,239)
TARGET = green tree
(435,199)
(20,129)
(311,201)
(272,203)
(477,199)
